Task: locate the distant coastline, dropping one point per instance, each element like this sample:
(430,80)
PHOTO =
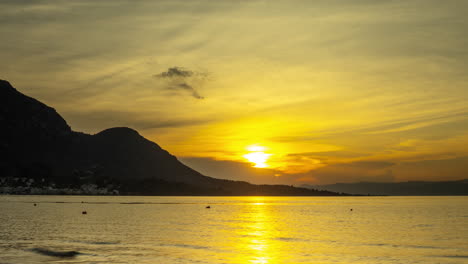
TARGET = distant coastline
(411,188)
(27,186)
(88,189)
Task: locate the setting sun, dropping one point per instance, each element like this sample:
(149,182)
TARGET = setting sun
(257,156)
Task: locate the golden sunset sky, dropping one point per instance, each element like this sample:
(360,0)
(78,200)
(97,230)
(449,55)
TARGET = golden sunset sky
(307,91)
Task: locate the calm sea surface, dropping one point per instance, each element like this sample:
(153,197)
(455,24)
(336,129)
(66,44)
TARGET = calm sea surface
(234,230)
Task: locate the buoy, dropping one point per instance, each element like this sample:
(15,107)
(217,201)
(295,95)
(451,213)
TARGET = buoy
(84,212)
(35,204)
(351,209)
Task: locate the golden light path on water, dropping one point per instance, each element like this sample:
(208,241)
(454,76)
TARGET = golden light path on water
(260,227)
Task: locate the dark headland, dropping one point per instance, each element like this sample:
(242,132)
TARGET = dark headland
(41,154)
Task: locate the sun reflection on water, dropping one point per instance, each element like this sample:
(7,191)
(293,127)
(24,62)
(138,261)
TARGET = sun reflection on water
(257,234)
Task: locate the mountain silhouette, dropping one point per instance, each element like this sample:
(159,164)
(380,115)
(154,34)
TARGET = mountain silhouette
(39,148)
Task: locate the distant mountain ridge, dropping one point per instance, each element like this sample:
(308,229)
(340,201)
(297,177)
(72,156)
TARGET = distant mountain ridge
(40,150)
(422,188)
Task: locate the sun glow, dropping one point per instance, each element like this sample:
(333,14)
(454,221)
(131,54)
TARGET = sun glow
(257,156)
(256,148)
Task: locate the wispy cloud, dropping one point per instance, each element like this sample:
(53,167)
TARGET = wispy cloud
(175,72)
(179,78)
(189,88)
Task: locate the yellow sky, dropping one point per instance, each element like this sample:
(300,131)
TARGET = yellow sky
(336,91)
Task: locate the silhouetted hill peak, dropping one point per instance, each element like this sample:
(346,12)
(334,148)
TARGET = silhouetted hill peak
(119,132)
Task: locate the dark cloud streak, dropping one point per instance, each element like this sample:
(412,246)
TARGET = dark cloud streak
(175,72)
(189,88)
(178,78)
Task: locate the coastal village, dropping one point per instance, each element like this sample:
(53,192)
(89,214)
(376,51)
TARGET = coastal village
(30,186)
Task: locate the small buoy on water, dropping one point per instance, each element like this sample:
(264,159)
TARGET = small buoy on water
(35,204)
(351,209)
(208,207)
(84,212)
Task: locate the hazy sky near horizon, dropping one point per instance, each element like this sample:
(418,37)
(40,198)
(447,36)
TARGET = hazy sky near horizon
(334,91)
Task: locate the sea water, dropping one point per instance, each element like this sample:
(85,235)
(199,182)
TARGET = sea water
(119,229)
